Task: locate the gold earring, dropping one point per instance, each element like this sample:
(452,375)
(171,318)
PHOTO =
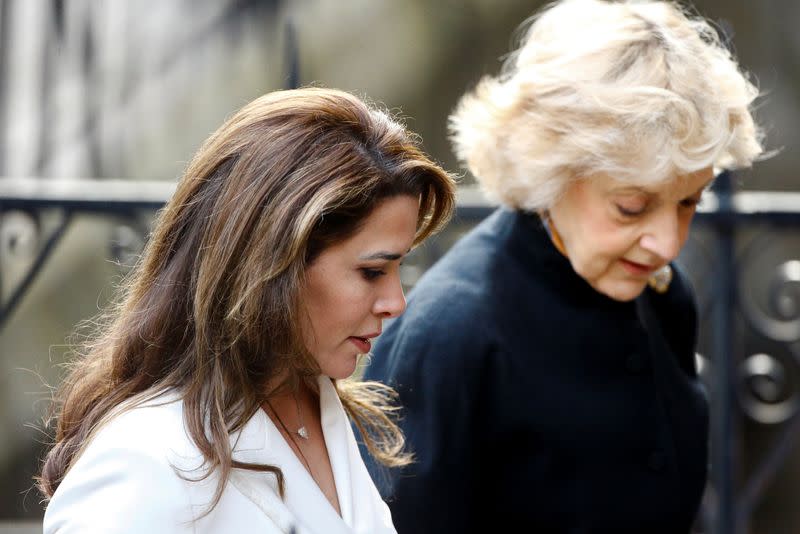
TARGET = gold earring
(661,279)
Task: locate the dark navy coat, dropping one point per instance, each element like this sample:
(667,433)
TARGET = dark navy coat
(532,400)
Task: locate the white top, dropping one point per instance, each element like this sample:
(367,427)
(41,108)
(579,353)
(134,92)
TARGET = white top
(125,480)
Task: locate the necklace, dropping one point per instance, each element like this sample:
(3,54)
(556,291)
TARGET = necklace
(555,237)
(291,437)
(333,499)
(302,432)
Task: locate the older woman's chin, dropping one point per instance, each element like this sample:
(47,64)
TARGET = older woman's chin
(620,290)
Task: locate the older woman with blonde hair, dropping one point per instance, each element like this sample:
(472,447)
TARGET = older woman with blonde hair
(546,362)
(215,397)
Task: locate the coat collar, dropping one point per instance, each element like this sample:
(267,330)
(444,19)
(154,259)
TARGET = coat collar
(530,242)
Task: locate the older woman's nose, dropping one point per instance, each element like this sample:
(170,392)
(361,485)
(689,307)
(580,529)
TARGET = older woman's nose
(663,236)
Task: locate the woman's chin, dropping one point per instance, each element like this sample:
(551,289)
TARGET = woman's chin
(620,290)
(342,369)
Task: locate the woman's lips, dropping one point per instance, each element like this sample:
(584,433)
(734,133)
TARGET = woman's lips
(637,269)
(363,344)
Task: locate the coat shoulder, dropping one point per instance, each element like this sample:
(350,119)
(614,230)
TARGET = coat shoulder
(677,313)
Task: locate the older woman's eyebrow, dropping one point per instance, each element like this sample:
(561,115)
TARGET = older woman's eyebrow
(632,190)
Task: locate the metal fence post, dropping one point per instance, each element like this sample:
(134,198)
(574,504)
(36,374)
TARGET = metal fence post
(724,431)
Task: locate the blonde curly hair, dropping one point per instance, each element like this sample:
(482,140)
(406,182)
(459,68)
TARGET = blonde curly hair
(639,90)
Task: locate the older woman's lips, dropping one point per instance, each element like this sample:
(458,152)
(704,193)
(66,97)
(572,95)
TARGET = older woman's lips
(637,269)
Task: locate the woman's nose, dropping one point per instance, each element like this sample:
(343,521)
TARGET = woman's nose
(663,237)
(392,301)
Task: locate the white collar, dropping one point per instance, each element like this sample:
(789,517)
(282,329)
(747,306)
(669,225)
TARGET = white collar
(260,441)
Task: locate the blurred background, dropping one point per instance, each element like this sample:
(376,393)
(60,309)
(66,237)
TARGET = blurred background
(103,102)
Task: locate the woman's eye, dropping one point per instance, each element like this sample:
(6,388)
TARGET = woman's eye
(371,274)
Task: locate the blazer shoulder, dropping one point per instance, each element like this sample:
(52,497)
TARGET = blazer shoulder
(127,479)
(154,428)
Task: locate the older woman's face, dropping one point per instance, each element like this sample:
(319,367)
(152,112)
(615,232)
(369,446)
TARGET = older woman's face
(352,286)
(616,235)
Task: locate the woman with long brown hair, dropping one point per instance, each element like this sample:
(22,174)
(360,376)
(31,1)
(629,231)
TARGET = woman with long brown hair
(213,398)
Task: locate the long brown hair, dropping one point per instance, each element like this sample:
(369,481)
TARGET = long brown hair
(212,308)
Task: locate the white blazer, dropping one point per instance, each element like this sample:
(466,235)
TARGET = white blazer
(125,480)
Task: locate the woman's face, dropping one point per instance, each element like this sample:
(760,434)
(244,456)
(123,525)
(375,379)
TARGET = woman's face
(616,235)
(352,286)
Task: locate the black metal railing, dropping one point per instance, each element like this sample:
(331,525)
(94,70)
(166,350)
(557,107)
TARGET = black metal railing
(753,386)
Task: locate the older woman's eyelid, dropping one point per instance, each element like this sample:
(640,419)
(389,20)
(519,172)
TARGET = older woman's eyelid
(633,202)
(629,211)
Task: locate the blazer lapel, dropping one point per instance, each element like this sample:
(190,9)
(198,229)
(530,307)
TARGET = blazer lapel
(361,505)
(335,428)
(304,504)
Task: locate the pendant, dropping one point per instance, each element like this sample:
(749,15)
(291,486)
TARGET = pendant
(302,432)
(661,279)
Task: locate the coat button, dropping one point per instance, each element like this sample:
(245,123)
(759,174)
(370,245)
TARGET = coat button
(656,461)
(635,363)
